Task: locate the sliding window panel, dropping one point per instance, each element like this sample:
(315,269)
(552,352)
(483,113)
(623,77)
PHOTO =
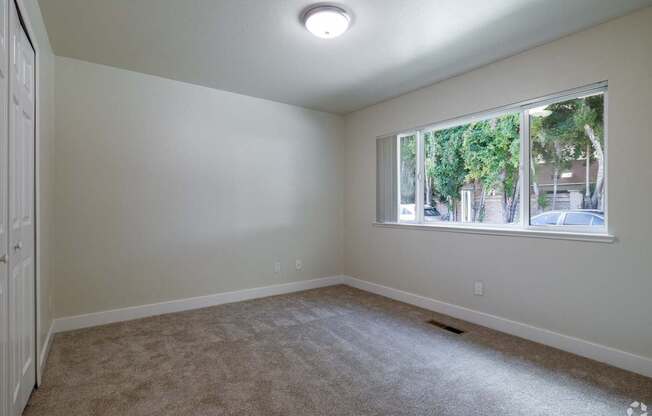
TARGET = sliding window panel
(435,207)
(420,179)
(408,157)
(473,172)
(524,208)
(386,180)
(567,164)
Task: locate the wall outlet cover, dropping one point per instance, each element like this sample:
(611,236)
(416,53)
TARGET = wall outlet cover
(478,288)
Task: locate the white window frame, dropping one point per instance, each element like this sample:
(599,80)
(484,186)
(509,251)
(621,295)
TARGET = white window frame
(522,227)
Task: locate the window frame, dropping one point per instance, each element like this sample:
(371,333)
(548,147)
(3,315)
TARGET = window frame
(523,225)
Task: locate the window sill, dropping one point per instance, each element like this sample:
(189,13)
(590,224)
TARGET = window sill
(511,232)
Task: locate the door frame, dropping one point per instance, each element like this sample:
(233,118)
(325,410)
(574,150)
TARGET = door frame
(39,355)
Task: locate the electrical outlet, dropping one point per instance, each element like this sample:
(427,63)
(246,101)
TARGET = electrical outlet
(478,288)
(299,265)
(277,267)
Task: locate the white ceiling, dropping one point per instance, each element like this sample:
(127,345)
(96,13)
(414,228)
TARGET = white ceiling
(260,48)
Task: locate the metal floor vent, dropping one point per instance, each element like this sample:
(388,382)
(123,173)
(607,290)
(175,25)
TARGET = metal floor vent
(445,327)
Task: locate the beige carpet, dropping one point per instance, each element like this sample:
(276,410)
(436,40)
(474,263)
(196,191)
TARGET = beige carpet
(331,351)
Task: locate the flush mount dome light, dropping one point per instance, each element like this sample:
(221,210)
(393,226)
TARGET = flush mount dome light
(326,21)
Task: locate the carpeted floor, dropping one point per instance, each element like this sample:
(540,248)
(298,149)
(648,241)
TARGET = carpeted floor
(331,351)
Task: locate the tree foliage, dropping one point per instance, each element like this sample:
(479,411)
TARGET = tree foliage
(563,134)
(408,169)
(484,153)
(445,167)
(491,152)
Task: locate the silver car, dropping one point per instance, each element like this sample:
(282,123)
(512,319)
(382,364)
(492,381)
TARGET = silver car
(569,217)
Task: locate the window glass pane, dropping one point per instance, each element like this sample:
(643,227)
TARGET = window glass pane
(577,218)
(549,218)
(472,172)
(567,160)
(408,183)
(433,208)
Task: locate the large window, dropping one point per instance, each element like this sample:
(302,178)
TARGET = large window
(538,165)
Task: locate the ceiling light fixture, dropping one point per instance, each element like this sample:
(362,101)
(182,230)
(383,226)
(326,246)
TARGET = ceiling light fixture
(326,21)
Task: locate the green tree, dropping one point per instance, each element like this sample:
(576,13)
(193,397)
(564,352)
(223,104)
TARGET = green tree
(589,118)
(446,169)
(430,189)
(554,139)
(560,135)
(408,169)
(491,153)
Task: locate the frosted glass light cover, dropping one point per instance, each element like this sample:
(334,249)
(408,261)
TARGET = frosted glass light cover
(327,22)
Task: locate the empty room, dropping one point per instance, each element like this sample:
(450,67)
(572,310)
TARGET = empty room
(307,208)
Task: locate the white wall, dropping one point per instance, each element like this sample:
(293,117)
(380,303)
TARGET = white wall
(597,292)
(45,165)
(167,190)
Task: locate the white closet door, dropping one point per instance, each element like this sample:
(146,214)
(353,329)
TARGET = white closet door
(21,216)
(4,295)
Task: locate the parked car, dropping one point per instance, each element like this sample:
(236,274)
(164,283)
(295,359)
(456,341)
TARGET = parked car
(569,217)
(429,213)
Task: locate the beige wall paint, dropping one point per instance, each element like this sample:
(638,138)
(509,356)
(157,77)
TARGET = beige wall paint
(597,292)
(45,192)
(167,190)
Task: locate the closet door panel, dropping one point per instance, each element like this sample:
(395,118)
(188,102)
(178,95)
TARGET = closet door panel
(20,213)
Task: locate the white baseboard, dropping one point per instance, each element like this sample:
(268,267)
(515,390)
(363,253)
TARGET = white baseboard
(612,356)
(143,311)
(597,352)
(45,351)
